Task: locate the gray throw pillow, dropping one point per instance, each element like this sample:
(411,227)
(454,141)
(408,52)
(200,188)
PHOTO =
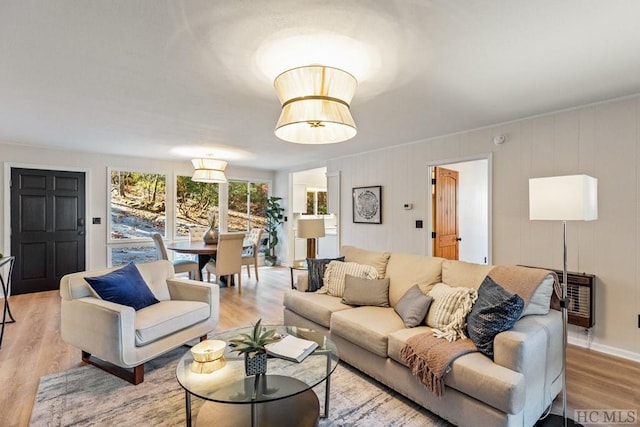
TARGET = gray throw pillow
(359,291)
(494,311)
(316,267)
(413,306)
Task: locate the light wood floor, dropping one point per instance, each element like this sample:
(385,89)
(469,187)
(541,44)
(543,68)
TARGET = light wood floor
(32,347)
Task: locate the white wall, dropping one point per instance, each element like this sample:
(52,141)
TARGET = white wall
(96,166)
(599,140)
(473,210)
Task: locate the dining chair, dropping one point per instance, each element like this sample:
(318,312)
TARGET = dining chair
(179,265)
(250,250)
(228,260)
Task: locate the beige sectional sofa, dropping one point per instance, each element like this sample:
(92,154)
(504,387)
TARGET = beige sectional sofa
(514,389)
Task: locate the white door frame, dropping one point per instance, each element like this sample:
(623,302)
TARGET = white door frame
(429,214)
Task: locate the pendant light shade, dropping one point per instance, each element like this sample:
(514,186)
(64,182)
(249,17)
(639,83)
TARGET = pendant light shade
(315,105)
(209,170)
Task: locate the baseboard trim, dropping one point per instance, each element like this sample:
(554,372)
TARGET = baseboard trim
(614,351)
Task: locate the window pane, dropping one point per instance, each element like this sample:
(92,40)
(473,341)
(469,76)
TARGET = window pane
(137,202)
(322,203)
(121,255)
(259,193)
(238,213)
(195,201)
(310,203)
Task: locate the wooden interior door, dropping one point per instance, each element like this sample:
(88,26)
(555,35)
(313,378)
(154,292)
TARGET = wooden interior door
(445,202)
(47,227)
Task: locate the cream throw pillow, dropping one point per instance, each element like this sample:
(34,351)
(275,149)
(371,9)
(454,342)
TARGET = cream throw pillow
(447,315)
(334,276)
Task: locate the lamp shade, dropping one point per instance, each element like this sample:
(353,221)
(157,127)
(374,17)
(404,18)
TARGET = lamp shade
(315,105)
(310,228)
(209,170)
(563,198)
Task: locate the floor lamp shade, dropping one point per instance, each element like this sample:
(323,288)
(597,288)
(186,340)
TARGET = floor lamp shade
(563,198)
(311,229)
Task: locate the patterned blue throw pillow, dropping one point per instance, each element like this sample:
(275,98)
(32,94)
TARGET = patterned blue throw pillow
(496,310)
(124,286)
(316,267)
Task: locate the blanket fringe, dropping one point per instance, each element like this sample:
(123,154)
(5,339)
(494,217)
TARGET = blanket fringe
(420,369)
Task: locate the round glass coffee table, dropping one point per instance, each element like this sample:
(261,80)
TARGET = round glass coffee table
(283,396)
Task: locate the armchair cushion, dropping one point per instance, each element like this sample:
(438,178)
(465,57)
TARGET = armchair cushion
(168,317)
(123,286)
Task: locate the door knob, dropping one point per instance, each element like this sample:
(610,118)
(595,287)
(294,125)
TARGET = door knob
(459,239)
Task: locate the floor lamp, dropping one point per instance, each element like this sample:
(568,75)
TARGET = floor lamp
(563,198)
(311,229)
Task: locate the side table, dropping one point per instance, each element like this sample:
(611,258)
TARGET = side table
(297,265)
(5,282)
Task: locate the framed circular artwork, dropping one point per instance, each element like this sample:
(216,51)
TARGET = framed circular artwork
(367,205)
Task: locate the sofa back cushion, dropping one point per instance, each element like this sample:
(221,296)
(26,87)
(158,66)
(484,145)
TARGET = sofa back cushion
(335,274)
(406,270)
(460,273)
(378,260)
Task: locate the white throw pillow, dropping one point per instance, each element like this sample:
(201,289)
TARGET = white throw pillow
(447,315)
(334,276)
(540,301)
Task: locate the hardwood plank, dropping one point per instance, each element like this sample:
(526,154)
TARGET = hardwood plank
(33,347)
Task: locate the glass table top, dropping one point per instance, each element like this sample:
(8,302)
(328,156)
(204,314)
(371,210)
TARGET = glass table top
(284,378)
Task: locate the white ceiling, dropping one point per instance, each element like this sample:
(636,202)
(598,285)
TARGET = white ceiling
(150,78)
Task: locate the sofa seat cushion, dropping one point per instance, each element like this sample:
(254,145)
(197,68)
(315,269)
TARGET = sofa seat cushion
(313,306)
(166,318)
(367,327)
(397,340)
(473,374)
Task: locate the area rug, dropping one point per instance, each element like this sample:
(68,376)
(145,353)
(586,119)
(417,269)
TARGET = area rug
(87,396)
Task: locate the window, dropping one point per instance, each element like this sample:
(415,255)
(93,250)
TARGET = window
(247,202)
(137,205)
(316,202)
(121,255)
(195,202)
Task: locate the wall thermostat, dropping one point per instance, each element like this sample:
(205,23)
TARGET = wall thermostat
(408,206)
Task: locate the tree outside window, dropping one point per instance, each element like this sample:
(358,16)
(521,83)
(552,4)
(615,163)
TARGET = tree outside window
(247,202)
(195,202)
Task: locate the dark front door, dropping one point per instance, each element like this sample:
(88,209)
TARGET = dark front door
(47,227)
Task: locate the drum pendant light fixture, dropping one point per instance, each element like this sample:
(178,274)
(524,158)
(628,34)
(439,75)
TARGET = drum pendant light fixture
(315,105)
(208,170)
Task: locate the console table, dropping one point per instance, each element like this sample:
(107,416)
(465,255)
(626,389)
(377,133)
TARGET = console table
(6,264)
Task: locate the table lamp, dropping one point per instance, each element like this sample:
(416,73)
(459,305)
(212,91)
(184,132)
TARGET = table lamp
(563,198)
(311,229)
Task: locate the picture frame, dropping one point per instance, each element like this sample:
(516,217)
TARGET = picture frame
(367,205)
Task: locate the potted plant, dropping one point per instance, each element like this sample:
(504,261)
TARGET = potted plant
(273,213)
(252,345)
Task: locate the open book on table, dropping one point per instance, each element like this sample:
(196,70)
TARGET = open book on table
(291,348)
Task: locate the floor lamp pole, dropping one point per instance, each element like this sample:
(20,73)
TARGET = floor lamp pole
(565,320)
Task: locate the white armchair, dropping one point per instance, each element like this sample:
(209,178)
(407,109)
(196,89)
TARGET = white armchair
(125,338)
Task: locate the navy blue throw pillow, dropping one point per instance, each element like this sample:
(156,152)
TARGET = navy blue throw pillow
(495,310)
(316,267)
(124,286)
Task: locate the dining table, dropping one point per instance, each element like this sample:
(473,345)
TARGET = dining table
(200,248)
(204,251)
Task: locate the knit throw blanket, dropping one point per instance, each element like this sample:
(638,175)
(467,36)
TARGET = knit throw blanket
(430,358)
(524,281)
